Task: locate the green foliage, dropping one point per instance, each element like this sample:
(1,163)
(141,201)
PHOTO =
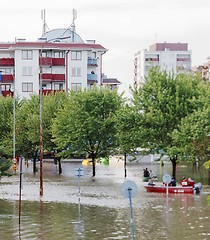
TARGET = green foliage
(4,166)
(163,101)
(6,126)
(207,165)
(86,124)
(127,122)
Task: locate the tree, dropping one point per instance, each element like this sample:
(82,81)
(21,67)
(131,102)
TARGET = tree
(6,126)
(5,164)
(127,123)
(192,136)
(86,124)
(28,124)
(163,101)
(27,127)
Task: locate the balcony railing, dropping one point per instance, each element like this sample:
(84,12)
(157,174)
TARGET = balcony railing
(92,62)
(49,91)
(152,59)
(7,78)
(49,77)
(183,59)
(7,62)
(92,77)
(47,61)
(7,93)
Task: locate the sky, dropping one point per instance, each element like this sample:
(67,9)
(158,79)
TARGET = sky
(123,27)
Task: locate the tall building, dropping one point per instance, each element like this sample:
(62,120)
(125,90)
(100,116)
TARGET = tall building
(59,61)
(170,57)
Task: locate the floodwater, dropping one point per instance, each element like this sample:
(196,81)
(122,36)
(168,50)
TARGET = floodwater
(96,209)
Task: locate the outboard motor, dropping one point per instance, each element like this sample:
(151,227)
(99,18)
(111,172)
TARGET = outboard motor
(198,187)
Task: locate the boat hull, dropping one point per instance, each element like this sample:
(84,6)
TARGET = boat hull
(163,189)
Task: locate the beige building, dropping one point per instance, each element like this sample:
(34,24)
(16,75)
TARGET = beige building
(170,57)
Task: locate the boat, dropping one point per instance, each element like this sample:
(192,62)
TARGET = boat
(163,189)
(146,179)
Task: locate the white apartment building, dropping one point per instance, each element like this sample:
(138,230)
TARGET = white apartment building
(174,58)
(60,59)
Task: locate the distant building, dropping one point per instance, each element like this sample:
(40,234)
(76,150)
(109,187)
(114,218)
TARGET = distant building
(203,70)
(170,57)
(113,83)
(60,59)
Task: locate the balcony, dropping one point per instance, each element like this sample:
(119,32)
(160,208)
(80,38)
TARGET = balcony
(92,62)
(46,61)
(92,77)
(152,59)
(183,59)
(7,78)
(7,62)
(49,91)
(49,77)
(7,93)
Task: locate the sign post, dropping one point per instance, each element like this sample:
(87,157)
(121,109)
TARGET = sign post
(129,190)
(167,180)
(79,172)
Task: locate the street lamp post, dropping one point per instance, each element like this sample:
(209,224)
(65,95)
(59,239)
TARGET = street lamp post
(40,105)
(14,120)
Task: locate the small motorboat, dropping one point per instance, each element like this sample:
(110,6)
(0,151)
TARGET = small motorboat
(177,189)
(146,179)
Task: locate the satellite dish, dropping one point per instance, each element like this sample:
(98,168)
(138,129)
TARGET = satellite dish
(129,189)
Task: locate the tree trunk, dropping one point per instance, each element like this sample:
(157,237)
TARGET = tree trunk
(34,162)
(173,161)
(34,165)
(94,167)
(209,178)
(125,164)
(59,166)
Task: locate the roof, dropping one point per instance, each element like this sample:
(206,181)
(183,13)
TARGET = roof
(61,38)
(111,81)
(41,45)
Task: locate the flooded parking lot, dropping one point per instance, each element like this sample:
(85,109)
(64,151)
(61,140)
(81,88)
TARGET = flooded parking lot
(99,211)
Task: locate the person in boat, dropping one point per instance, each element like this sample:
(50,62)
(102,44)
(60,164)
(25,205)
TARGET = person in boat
(173,182)
(150,182)
(184,182)
(146,172)
(151,174)
(191,182)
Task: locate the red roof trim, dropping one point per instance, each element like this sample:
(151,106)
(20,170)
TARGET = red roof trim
(52,45)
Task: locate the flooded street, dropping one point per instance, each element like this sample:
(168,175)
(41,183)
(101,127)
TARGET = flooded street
(100,211)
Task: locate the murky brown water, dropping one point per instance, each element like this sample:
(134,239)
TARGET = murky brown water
(100,212)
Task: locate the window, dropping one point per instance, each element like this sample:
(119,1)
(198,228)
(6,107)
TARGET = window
(27,71)
(76,72)
(5,87)
(76,86)
(76,55)
(27,87)
(46,54)
(58,54)
(6,71)
(27,54)
(58,86)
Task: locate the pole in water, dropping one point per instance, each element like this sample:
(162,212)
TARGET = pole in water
(20,185)
(79,172)
(129,190)
(131,213)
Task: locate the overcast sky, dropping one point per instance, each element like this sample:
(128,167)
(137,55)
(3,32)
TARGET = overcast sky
(123,27)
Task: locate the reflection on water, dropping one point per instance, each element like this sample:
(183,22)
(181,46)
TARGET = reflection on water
(101,212)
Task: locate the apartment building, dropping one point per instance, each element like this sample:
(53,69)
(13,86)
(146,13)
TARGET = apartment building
(174,58)
(58,61)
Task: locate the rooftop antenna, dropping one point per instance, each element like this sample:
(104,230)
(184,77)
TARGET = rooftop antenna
(43,17)
(73,28)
